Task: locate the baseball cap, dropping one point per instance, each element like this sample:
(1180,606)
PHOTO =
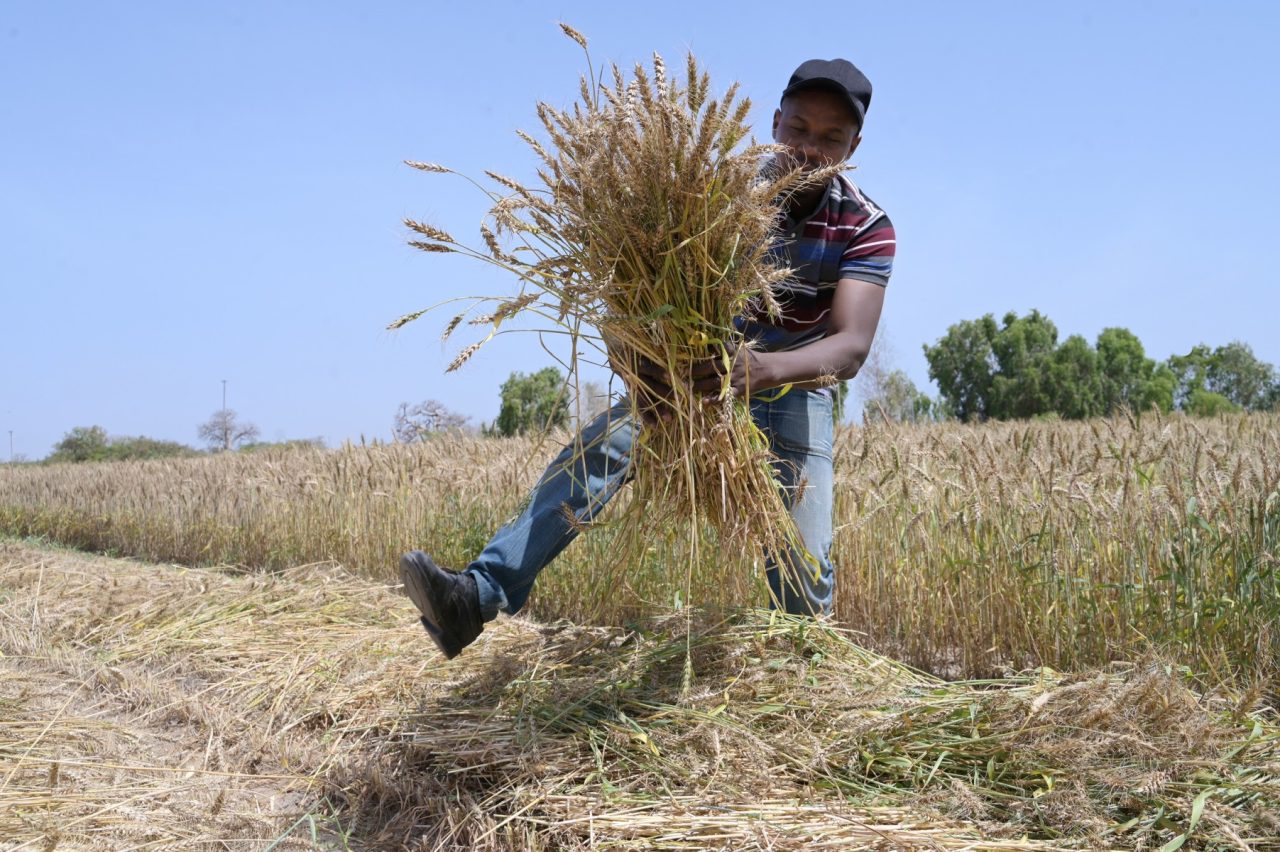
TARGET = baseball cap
(837,75)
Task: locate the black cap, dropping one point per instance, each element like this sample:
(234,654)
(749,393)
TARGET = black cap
(837,75)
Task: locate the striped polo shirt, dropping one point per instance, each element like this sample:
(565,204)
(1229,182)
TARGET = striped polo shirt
(846,236)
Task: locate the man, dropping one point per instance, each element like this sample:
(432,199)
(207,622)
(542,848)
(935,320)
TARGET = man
(841,248)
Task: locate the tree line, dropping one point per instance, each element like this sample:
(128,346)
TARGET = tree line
(1018,369)
(984,370)
(224,431)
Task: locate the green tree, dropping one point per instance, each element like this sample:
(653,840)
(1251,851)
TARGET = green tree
(142,448)
(1161,388)
(1205,403)
(1237,374)
(83,443)
(985,370)
(1075,389)
(1024,349)
(1231,372)
(1018,370)
(533,403)
(91,443)
(963,365)
(1129,378)
(1189,373)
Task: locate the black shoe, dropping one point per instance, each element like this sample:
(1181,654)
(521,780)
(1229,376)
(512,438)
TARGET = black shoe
(449,602)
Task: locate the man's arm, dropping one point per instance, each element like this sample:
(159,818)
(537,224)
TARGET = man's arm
(855,313)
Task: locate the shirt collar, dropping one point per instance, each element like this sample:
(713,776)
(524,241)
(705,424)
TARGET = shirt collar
(791,223)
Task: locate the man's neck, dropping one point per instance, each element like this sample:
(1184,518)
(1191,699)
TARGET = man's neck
(801,205)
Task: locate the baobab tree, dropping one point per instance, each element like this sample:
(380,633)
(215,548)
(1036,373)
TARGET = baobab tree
(224,431)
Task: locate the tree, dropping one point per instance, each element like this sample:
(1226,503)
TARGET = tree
(867,384)
(963,364)
(533,403)
(1204,403)
(590,401)
(1074,384)
(988,371)
(1129,378)
(127,448)
(1189,373)
(83,443)
(885,391)
(1160,389)
(897,398)
(1019,370)
(1237,374)
(839,399)
(223,430)
(419,422)
(91,443)
(1231,372)
(1022,386)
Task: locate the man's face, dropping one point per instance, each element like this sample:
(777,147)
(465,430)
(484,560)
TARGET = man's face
(817,127)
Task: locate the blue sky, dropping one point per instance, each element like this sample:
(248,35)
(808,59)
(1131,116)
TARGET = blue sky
(192,192)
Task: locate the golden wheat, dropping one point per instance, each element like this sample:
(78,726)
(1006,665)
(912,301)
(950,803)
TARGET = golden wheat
(966,550)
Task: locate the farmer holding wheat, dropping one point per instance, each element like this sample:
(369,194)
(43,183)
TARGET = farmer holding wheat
(836,250)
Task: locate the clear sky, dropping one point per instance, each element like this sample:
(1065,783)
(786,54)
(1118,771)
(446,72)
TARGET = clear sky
(192,192)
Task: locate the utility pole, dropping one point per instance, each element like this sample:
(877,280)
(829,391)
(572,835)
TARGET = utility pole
(224,394)
(10,446)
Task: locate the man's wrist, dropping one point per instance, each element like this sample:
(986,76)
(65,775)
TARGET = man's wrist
(763,375)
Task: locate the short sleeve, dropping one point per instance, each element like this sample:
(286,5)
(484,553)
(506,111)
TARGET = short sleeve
(869,256)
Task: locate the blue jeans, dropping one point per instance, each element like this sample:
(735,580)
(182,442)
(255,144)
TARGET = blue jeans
(588,472)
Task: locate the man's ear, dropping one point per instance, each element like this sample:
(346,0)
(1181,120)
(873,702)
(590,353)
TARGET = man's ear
(777,116)
(853,146)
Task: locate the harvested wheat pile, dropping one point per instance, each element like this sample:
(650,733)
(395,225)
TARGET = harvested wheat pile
(147,705)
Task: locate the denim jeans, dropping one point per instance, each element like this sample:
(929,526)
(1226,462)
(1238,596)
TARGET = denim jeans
(588,472)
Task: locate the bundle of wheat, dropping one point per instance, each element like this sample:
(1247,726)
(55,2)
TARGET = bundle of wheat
(654,227)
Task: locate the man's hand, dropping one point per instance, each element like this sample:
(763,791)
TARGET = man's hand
(742,366)
(649,385)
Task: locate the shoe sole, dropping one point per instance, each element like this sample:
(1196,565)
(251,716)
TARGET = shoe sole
(416,587)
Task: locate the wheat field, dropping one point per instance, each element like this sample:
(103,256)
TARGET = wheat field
(967,551)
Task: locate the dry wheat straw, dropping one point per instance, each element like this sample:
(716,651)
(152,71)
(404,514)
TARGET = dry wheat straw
(144,703)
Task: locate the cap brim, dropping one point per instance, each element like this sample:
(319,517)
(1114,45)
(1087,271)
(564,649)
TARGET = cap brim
(829,85)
